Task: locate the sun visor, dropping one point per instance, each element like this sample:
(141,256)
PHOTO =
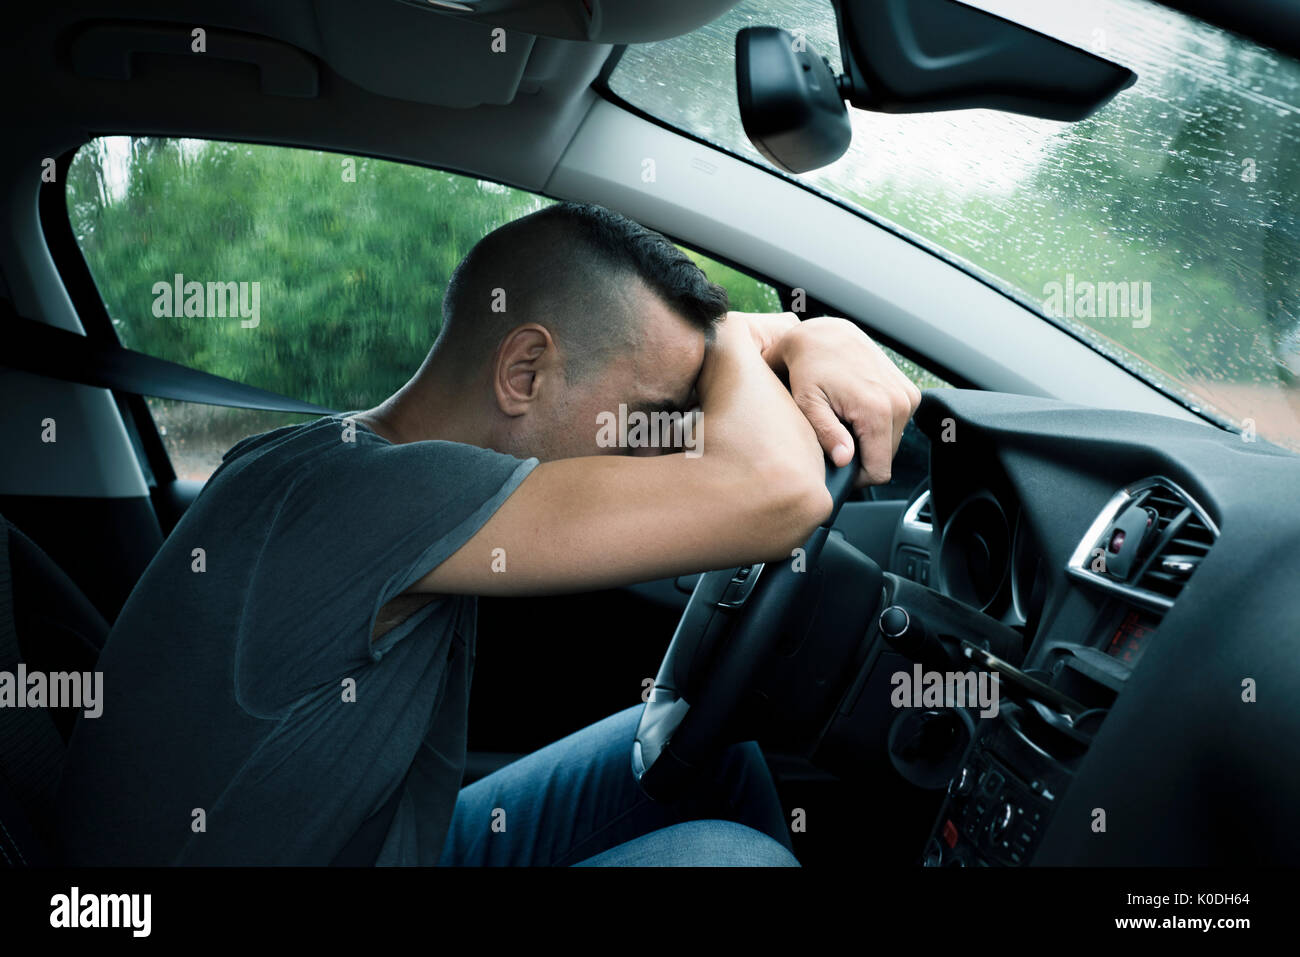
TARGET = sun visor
(408,53)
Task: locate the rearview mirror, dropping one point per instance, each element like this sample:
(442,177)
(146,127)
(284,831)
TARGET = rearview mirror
(789,105)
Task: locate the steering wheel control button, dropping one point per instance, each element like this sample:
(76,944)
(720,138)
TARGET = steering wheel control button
(741,584)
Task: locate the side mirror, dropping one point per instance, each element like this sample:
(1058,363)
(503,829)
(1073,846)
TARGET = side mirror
(789,104)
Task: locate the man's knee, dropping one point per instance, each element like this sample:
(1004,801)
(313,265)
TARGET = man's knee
(707,843)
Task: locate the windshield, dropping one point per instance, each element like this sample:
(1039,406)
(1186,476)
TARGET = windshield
(1164,230)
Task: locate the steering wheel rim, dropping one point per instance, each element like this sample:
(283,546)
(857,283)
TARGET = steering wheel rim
(727,633)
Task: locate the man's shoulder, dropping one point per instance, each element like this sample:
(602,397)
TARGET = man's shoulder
(335,458)
(290,448)
(315,431)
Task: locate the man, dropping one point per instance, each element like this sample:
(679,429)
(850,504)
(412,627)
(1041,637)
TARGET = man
(288,683)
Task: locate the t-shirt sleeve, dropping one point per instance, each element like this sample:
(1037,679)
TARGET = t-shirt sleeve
(359,525)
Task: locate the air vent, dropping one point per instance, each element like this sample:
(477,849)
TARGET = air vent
(1167,503)
(1184,543)
(1175,534)
(917,515)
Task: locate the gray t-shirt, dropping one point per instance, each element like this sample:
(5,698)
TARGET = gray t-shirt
(248,718)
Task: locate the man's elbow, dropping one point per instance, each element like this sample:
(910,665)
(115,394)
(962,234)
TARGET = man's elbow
(796,505)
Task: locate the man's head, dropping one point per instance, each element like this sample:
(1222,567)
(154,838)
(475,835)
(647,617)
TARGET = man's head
(562,315)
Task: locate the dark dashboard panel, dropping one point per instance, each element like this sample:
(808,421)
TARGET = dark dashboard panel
(1184,765)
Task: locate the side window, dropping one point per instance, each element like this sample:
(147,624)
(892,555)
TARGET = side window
(746,293)
(921,376)
(315,275)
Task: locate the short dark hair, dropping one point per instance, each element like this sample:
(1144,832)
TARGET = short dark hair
(573,268)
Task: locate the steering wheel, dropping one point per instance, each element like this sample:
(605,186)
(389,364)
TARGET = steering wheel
(728,632)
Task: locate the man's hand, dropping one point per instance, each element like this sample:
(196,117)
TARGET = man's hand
(836,372)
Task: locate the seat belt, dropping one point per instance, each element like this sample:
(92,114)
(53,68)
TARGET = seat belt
(45,350)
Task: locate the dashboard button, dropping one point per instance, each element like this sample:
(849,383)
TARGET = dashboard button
(1002,818)
(949,833)
(991,782)
(963,783)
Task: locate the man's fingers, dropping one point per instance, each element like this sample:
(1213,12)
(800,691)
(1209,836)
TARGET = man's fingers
(875,428)
(836,440)
(902,409)
(835,368)
(875,414)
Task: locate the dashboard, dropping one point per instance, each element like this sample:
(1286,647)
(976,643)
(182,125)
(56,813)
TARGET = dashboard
(1150,569)
(983,554)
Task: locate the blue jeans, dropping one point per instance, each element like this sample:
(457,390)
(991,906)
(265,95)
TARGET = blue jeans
(575,802)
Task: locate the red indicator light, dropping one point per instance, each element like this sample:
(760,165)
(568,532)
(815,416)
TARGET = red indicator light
(1116,541)
(950,833)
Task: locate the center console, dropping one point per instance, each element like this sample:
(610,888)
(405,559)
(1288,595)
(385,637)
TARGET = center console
(1020,762)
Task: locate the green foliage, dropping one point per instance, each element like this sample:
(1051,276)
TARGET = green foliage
(746,293)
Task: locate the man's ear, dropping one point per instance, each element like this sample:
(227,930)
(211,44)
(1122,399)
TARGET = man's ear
(526,360)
